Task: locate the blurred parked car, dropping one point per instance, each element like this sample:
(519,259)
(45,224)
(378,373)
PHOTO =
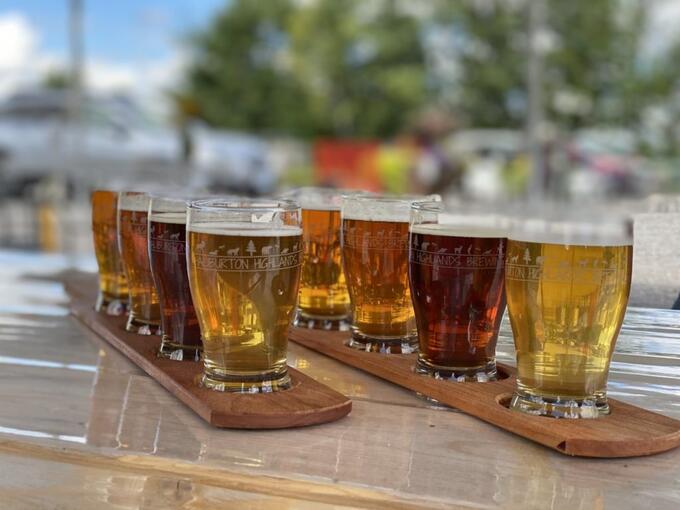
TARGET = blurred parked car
(605,161)
(230,161)
(115,141)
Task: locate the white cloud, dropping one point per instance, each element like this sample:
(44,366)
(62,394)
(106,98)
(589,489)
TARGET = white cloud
(19,40)
(20,61)
(146,81)
(23,63)
(664,16)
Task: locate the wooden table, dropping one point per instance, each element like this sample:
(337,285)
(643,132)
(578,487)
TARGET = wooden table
(81,427)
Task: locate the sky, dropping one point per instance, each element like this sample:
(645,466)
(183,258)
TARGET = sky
(132,45)
(137,45)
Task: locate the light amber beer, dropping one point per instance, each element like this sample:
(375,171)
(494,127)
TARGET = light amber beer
(323,289)
(323,302)
(113,290)
(375,254)
(376,259)
(244,281)
(566,304)
(144,308)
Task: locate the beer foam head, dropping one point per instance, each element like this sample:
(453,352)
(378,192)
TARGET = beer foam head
(573,233)
(382,207)
(459,230)
(177,218)
(321,199)
(242,229)
(133,201)
(244,214)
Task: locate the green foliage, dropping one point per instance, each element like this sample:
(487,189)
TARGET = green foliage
(362,68)
(309,69)
(239,79)
(57,79)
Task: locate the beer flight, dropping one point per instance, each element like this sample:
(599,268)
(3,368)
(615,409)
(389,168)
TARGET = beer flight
(222,280)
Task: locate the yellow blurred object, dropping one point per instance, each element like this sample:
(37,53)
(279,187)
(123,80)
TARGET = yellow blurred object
(393,165)
(516,174)
(48,228)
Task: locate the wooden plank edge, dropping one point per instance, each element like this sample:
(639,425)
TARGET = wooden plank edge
(300,419)
(571,446)
(342,495)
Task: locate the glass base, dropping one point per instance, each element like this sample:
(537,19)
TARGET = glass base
(560,407)
(178,352)
(110,305)
(325,323)
(400,345)
(481,373)
(141,327)
(260,383)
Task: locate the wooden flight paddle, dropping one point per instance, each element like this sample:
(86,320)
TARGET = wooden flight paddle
(628,431)
(308,402)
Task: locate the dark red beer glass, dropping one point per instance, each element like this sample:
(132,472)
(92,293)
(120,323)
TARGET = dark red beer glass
(456,274)
(181,338)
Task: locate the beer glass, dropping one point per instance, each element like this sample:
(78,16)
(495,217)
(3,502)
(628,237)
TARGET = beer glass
(457,279)
(181,335)
(113,289)
(567,285)
(244,261)
(375,258)
(144,317)
(323,300)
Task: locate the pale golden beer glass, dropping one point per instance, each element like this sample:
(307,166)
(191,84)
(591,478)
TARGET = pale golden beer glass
(244,261)
(113,289)
(375,257)
(567,286)
(133,212)
(323,299)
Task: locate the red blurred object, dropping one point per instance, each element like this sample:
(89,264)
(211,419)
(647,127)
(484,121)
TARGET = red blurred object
(347,164)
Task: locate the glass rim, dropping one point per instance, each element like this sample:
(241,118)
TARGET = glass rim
(319,198)
(610,232)
(184,198)
(244,205)
(324,190)
(429,205)
(397,199)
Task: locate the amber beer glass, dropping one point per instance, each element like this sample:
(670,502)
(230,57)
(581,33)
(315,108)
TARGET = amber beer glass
(113,289)
(375,257)
(144,317)
(181,338)
(567,287)
(244,261)
(457,278)
(323,299)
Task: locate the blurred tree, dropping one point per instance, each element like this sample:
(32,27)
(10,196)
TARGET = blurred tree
(241,77)
(364,68)
(56,79)
(596,71)
(329,67)
(362,64)
(483,76)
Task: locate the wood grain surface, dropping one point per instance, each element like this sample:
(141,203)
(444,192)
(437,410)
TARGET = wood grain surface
(308,402)
(628,431)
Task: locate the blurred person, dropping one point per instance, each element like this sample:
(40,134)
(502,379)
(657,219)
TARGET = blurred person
(433,171)
(484,177)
